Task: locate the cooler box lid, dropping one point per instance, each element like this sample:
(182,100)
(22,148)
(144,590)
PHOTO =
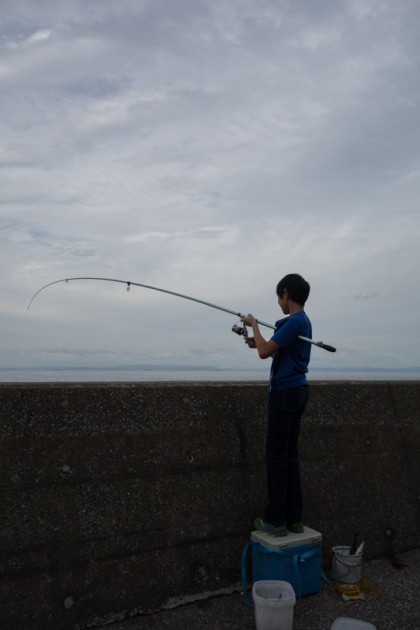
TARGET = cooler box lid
(308,537)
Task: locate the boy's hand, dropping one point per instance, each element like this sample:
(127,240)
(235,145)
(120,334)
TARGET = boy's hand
(248,320)
(250,342)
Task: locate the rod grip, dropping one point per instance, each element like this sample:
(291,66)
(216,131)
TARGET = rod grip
(325,346)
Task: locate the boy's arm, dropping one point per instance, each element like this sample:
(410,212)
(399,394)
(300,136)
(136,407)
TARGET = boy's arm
(264,348)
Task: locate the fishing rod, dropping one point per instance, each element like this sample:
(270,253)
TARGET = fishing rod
(240,330)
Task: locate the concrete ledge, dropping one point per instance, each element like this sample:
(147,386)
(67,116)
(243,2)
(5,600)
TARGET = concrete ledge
(120,499)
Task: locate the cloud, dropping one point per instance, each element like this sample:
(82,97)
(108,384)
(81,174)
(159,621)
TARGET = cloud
(220,234)
(38,37)
(209,148)
(366,296)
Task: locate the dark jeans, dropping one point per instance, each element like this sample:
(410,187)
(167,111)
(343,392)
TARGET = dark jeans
(285,409)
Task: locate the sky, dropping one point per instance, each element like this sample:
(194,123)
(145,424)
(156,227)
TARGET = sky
(208,147)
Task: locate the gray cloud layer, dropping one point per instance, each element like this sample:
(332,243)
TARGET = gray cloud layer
(209,148)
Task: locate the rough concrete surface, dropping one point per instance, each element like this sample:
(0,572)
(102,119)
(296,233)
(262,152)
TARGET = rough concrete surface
(124,499)
(392,604)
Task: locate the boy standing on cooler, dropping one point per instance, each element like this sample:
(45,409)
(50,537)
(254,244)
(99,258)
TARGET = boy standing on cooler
(288,397)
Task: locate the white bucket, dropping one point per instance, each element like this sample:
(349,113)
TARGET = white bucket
(345,623)
(274,602)
(346,568)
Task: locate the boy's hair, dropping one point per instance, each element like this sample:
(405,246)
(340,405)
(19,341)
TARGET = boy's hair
(297,288)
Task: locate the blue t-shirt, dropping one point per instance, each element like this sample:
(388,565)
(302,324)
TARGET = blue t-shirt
(290,362)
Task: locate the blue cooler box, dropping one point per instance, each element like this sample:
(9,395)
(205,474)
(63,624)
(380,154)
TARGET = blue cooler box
(295,558)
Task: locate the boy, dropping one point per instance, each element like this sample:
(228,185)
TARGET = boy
(288,396)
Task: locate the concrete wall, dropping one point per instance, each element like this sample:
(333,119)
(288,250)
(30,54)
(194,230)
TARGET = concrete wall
(118,499)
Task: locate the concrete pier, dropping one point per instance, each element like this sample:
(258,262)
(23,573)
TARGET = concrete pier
(125,499)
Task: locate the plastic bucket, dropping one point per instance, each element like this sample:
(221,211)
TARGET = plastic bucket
(345,623)
(274,602)
(346,568)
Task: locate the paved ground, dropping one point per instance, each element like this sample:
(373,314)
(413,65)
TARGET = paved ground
(392,603)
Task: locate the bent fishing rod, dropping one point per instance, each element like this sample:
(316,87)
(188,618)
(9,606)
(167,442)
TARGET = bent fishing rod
(240,330)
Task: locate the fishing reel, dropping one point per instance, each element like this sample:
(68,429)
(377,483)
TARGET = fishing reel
(240,330)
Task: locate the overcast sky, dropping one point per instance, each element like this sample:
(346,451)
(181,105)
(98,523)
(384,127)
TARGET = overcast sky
(208,147)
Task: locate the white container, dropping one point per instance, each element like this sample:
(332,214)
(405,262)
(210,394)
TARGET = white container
(345,623)
(274,602)
(346,568)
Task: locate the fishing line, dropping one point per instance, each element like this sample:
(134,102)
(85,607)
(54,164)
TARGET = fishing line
(237,329)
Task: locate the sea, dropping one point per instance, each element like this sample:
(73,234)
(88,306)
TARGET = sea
(179,374)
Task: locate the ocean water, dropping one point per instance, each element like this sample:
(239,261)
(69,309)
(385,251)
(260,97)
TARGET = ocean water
(113,375)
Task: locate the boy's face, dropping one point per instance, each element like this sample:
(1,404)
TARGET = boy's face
(284,302)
